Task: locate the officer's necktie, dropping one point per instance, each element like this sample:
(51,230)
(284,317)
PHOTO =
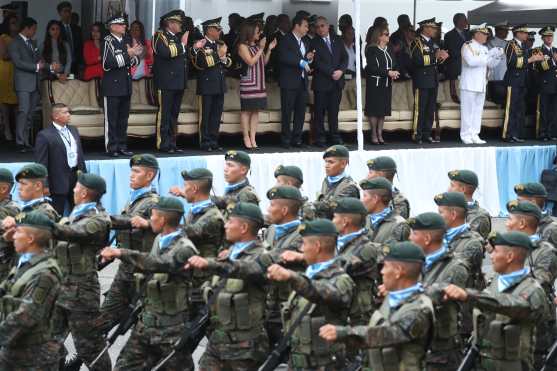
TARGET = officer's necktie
(69,35)
(328,42)
(30,45)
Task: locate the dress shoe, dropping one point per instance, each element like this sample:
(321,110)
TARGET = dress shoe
(217,148)
(178,150)
(477,140)
(467,140)
(553,138)
(125,152)
(285,145)
(507,140)
(431,140)
(21,149)
(417,141)
(517,140)
(113,154)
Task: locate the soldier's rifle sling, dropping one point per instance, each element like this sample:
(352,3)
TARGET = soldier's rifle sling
(550,358)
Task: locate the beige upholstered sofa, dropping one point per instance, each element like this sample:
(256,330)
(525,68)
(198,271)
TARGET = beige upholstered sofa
(88,114)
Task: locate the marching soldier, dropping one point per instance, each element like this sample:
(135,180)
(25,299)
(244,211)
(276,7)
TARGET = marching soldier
(425,59)
(466,182)
(398,333)
(517,56)
(165,297)
(79,238)
(210,57)
(383,223)
(7,208)
(31,185)
(546,120)
(28,297)
(440,268)
(507,311)
(117,59)
(324,292)
(133,234)
(385,167)
(289,175)
(336,184)
(535,192)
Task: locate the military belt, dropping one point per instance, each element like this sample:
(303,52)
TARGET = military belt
(155,320)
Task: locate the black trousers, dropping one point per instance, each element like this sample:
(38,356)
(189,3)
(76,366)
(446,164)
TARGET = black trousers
(327,102)
(116,114)
(514,112)
(211,112)
(60,201)
(497,92)
(425,101)
(293,101)
(546,122)
(167,118)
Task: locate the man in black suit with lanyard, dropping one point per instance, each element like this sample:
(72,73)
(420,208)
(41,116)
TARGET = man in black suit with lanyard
(294,63)
(328,66)
(116,87)
(58,148)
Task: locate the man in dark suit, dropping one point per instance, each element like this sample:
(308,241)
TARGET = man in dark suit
(58,148)
(73,35)
(116,86)
(284,26)
(329,63)
(454,39)
(295,58)
(546,123)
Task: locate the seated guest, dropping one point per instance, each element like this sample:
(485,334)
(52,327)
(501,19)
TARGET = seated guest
(92,53)
(72,34)
(253,96)
(143,69)
(56,49)
(380,73)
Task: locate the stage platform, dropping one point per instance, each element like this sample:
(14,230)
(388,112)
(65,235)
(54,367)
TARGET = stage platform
(422,170)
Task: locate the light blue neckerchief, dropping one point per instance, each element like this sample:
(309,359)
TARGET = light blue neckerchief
(342,241)
(435,257)
(164,241)
(535,238)
(27,204)
(313,269)
(453,232)
(471,204)
(198,207)
(377,218)
(545,212)
(397,297)
(81,209)
(336,178)
(24,258)
(238,248)
(136,193)
(504,281)
(232,187)
(281,229)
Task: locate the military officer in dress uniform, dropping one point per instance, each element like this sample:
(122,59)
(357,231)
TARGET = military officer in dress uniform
(536,193)
(476,59)
(425,59)
(210,57)
(170,77)
(385,166)
(515,81)
(546,119)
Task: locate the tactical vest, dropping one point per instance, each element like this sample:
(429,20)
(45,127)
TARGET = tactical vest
(407,357)
(207,249)
(137,239)
(10,302)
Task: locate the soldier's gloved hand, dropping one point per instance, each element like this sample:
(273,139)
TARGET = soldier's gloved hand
(277,273)
(109,253)
(196,262)
(453,292)
(328,332)
(139,222)
(292,256)
(8,223)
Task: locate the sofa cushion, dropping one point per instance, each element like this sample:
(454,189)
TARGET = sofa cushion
(188,118)
(75,93)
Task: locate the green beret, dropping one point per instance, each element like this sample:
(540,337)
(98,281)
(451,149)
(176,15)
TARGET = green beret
(318,227)
(247,210)
(284,192)
(145,160)
(404,251)
(349,205)
(524,208)
(513,239)
(337,150)
(427,221)
(382,163)
(197,174)
(292,171)
(6,176)
(464,176)
(452,199)
(34,219)
(92,181)
(534,189)
(240,157)
(169,204)
(32,171)
(376,183)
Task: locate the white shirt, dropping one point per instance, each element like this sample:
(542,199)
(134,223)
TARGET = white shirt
(426,38)
(69,143)
(497,73)
(351,57)
(302,49)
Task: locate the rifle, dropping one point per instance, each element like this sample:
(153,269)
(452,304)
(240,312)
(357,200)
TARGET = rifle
(72,364)
(100,264)
(356,365)
(550,357)
(469,360)
(273,360)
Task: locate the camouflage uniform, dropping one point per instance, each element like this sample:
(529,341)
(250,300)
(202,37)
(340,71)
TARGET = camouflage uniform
(400,204)
(122,290)
(547,229)
(26,309)
(165,306)
(478,219)
(244,193)
(80,239)
(7,254)
(324,204)
(45,207)
(393,228)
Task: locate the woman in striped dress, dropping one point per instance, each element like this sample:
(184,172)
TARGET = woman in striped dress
(253,96)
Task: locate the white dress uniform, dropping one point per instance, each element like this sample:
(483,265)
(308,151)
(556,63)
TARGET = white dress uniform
(476,59)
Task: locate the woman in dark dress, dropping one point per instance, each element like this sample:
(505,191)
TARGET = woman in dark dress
(380,73)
